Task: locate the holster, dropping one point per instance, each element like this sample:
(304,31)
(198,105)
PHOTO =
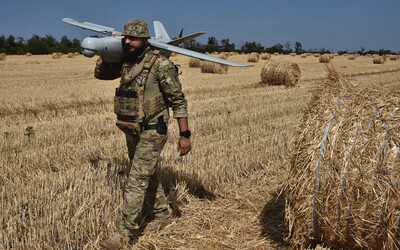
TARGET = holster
(131,128)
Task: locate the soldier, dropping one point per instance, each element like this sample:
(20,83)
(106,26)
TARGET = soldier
(149,85)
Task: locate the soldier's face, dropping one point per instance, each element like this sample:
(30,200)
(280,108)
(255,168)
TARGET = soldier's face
(134,43)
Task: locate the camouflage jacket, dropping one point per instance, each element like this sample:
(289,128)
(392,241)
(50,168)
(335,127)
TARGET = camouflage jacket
(162,77)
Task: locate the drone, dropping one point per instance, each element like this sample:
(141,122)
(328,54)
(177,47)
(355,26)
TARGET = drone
(111,48)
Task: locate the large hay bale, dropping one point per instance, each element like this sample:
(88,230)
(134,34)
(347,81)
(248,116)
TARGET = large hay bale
(343,188)
(378,60)
(70,55)
(394,57)
(3,56)
(194,62)
(280,73)
(28,54)
(214,68)
(324,58)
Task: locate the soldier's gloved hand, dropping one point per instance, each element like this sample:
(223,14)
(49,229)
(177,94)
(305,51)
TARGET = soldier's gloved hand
(184,145)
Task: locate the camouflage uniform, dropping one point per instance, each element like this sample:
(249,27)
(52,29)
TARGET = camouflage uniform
(146,131)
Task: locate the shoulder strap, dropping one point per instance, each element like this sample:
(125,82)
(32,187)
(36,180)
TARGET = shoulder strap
(150,59)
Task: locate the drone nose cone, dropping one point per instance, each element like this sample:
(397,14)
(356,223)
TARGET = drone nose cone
(90,46)
(88,52)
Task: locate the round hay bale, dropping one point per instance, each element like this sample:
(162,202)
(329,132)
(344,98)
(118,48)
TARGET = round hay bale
(265,56)
(303,55)
(56,55)
(316,55)
(223,56)
(3,56)
(324,58)
(352,57)
(378,60)
(70,55)
(343,188)
(76,53)
(393,57)
(276,54)
(213,68)
(280,73)
(28,54)
(252,58)
(194,63)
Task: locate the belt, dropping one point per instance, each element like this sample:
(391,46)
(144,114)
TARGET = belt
(150,127)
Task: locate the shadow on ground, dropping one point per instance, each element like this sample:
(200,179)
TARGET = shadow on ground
(272,219)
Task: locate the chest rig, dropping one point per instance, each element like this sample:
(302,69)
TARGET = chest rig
(129,104)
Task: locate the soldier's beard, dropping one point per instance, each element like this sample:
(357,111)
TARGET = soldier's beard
(137,52)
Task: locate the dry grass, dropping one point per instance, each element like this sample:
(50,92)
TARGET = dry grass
(280,73)
(343,186)
(58,137)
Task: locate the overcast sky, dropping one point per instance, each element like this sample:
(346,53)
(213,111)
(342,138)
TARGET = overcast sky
(334,25)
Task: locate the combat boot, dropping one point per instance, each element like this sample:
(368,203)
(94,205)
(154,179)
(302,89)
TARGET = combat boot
(115,242)
(157,225)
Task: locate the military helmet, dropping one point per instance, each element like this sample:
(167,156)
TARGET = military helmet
(136,28)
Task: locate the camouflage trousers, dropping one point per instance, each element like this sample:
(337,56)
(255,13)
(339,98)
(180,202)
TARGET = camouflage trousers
(144,196)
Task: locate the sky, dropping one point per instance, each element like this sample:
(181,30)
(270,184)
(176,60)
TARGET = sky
(333,25)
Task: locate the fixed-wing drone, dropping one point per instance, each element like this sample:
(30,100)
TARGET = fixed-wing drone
(111,48)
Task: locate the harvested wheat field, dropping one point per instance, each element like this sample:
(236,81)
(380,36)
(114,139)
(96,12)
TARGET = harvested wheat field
(63,158)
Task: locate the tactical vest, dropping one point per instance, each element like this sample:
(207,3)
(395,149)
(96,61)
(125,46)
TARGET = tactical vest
(129,103)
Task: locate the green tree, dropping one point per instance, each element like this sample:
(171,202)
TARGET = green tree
(194,45)
(21,46)
(51,44)
(277,48)
(11,45)
(76,45)
(2,44)
(226,46)
(298,48)
(212,45)
(36,46)
(249,47)
(288,46)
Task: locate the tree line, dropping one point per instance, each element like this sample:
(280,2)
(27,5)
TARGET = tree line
(37,45)
(48,44)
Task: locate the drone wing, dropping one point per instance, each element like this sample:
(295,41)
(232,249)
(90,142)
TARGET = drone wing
(179,50)
(91,26)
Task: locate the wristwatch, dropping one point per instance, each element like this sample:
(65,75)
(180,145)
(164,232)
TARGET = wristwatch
(185,133)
